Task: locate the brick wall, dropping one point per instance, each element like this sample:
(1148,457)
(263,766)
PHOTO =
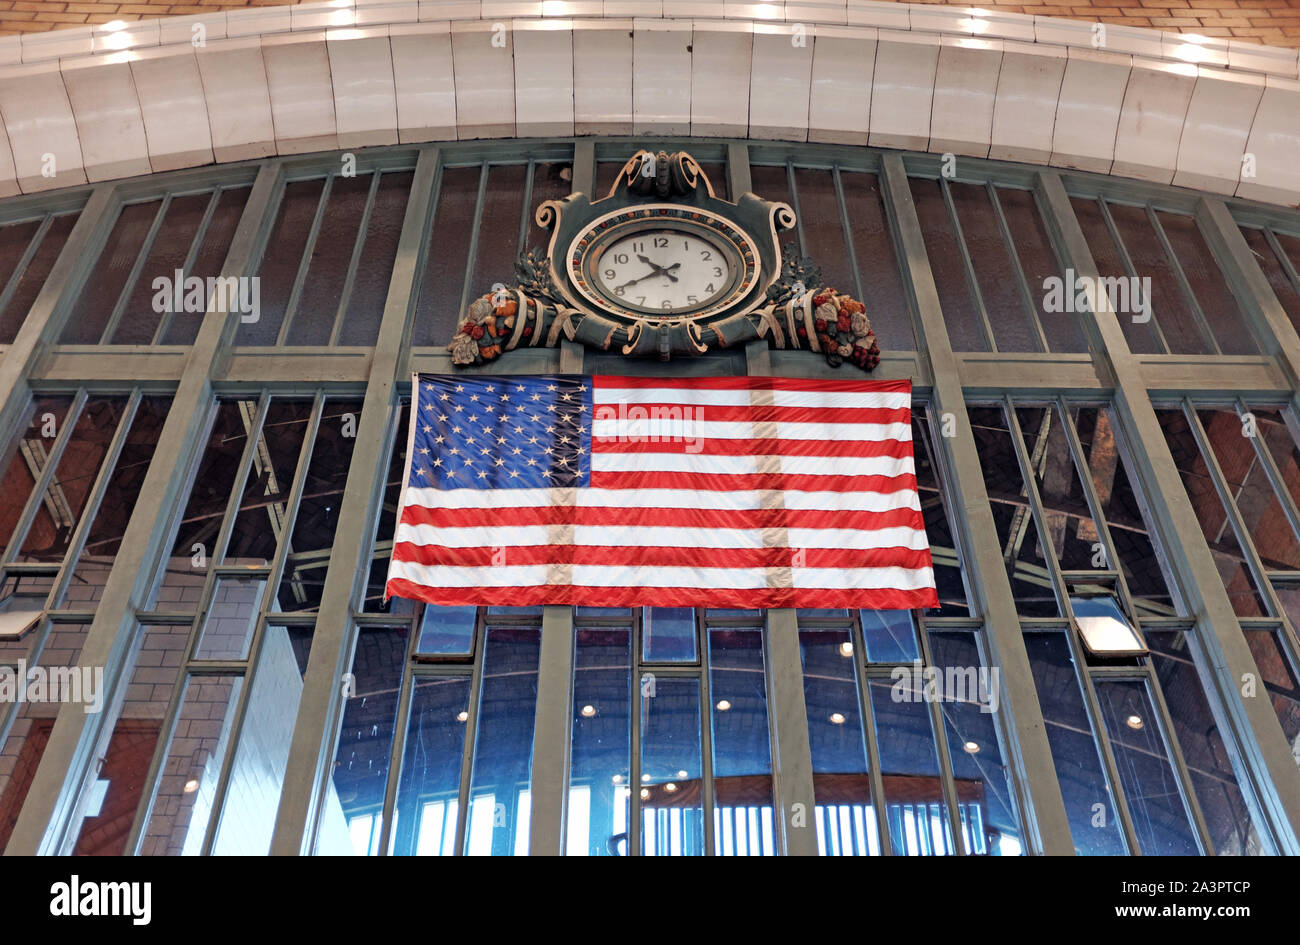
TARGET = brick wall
(1275,22)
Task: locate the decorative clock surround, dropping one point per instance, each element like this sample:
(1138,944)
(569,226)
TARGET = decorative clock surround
(659,267)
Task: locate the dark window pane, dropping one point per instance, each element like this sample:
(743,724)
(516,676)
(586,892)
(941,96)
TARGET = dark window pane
(118,503)
(990,256)
(183,327)
(15,241)
(1208,284)
(1139,555)
(943,550)
(387,520)
(742,747)
(375,267)
(322,291)
(1273,269)
(823,228)
(968,699)
(1033,247)
(447,631)
(436,310)
(351,818)
(1280,681)
(882,281)
(318,511)
(1025,561)
(263,508)
(33,277)
(499,805)
(1139,332)
(960,314)
(108,277)
(672,821)
(1168,303)
(1197,729)
(889,636)
(1075,753)
(427,795)
(284,250)
(599,790)
(1150,786)
(28,457)
(1072,530)
(498,235)
(909,764)
(167,254)
(65,499)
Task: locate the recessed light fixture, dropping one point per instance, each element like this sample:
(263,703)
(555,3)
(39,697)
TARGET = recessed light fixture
(1134,722)
(462,716)
(645,794)
(618,779)
(588,710)
(837,718)
(723,705)
(972,748)
(191,785)
(846,648)
(682,775)
(670,787)
(645,778)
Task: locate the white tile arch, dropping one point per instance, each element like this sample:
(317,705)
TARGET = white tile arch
(1220,116)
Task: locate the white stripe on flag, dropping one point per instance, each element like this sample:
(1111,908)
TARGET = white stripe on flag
(632,536)
(690,429)
(724,500)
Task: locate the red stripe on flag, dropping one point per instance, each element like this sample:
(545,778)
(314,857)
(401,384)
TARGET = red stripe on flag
(748,482)
(612,382)
(743,413)
(520,516)
(706,446)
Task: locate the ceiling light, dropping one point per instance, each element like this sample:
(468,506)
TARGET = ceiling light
(191,785)
(618,779)
(846,649)
(837,718)
(723,705)
(682,775)
(670,787)
(645,778)
(971,748)
(645,794)
(1134,722)
(462,716)
(588,710)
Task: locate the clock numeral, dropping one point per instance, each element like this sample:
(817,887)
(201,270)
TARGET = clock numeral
(710,288)
(620,291)
(666,303)
(620,257)
(640,300)
(705,254)
(717,271)
(638,247)
(692,300)
(661,242)
(609,273)
(686,244)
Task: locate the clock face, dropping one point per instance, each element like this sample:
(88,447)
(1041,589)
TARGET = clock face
(667,271)
(663,263)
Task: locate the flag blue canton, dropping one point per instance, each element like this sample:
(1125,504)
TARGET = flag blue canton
(482,432)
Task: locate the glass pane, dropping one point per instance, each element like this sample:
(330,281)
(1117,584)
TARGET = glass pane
(845,817)
(742,746)
(354,799)
(231,618)
(447,631)
(943,549)
(257,776)
(125,770)
(322,291)
(968,695)
(33,277)
(436,310)
(960,314)
(1150,785)
(187,783)
(109,274)
(1209,287)
(1033,247)
(1022,553)
(823,229)
(503,751)
(882,282)
(990,257)
(378,578)
(318,511)
(668,635)
(263,508)
(280,262)
(889,636)
(1139,330)
(28,457)
(498,234)
(1227,817)
(1094,823)
(1280,681)
(427,805)
(672,811)
(118,503)
(909,764)
(183,327)
(375,267)
(171,245)
(599,789)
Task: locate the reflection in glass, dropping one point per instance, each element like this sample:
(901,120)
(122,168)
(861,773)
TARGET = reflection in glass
(602,731)
(1160,818)
(909,764)
(742,747)
(447,631)
(889,636)
(672,818)
(845,818)
(231,617)
(426,811)
(669,635)
(503,749)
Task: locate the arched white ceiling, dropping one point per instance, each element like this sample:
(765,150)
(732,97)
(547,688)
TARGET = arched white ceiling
(97,103)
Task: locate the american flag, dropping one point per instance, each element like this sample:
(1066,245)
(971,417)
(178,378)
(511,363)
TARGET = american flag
(748,492)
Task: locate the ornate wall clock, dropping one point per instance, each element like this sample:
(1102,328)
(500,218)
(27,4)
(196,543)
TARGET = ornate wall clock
(661,266)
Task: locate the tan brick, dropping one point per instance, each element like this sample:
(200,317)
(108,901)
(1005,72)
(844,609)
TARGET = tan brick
(1165,21)
(39,7)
